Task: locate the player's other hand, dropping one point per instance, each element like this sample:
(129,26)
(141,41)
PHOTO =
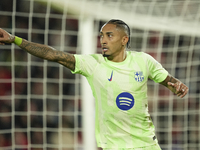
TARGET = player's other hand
(180,89)
(6,37)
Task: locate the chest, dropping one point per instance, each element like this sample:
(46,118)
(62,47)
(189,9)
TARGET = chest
(122,88)
(123,79)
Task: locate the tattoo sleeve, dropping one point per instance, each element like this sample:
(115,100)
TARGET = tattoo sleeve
(49,53)
(176,86)
(170,78)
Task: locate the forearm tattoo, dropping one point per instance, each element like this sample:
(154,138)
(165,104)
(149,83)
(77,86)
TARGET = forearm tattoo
(170,80)
(49,53)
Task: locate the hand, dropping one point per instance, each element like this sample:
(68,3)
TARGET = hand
(6,37)
(181,89)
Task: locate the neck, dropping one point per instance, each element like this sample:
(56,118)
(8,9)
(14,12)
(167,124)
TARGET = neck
(118,58)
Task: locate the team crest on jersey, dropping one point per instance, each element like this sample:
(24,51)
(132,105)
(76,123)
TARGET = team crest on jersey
(139,76)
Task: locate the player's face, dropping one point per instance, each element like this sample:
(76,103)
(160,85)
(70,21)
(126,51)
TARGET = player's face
(113,41)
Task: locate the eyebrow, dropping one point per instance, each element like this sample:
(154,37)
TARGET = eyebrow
(106,32)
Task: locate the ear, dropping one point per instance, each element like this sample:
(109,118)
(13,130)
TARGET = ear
(124,40)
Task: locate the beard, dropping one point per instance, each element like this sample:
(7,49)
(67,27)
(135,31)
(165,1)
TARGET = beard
(105,55)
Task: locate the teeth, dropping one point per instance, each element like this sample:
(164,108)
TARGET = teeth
(105,49)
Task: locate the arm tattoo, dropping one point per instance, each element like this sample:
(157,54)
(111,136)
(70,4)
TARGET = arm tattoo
(49,53)
(171,79)
(176,86)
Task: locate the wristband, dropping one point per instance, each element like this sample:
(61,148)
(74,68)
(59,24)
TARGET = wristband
(18,41)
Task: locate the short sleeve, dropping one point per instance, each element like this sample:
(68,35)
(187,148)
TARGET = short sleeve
(156,71)
(85,65)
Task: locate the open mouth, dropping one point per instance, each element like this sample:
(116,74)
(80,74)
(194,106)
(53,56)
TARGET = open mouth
(104,49)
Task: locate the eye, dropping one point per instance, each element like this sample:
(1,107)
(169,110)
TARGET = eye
(109,35)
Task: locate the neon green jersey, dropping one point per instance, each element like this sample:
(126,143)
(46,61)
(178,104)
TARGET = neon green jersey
(120,91)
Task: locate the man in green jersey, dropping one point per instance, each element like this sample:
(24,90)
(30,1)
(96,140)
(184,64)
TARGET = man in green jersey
(118,79)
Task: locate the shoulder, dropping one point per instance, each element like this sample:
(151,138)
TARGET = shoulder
(86,64)
(140,55)
(137,54)
(90,59)
(97,57)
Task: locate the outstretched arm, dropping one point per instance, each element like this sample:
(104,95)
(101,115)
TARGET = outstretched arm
(40,50)
(175,86)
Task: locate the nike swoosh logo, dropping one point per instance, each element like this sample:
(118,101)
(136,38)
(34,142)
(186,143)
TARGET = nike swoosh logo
(111,77)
